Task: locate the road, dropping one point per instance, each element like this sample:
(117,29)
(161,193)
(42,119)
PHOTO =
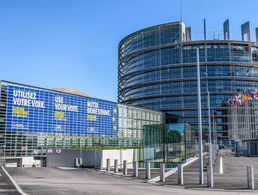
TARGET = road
(6,186)
(56,181)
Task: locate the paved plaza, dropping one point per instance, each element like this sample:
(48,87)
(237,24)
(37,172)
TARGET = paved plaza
(57,181)
(6,186)
(233,178)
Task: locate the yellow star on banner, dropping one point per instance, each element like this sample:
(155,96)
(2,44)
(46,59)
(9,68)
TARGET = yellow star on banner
(114,110)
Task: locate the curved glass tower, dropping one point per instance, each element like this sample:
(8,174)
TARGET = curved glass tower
(157,69)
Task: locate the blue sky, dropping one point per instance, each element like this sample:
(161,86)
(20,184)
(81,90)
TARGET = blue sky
(73,43)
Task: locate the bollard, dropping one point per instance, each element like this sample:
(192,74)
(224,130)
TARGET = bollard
(180,176)
(116,166)
(250,177)
(210,182)
(162,172)
(135,169)
(147,170)
(125,167)
(220,166)
(108,165)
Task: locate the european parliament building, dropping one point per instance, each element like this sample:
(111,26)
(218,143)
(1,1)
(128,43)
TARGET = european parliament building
(157,69)
(36,121)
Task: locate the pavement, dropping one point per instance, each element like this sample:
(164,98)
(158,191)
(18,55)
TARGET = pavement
(6,186)
(57,181)
(233,178)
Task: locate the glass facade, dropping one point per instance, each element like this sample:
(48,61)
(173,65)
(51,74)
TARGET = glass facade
(36,120)
(169,143)
(162,75)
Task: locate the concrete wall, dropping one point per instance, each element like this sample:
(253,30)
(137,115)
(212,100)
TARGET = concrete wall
(121,155)
(27,161)
(90,158)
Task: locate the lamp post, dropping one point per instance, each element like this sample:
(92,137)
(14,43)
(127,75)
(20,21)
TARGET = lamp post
(210,167)
(199,119)
(210,175)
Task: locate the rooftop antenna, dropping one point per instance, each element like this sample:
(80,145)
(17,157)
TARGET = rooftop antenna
(181,10)
(204,31)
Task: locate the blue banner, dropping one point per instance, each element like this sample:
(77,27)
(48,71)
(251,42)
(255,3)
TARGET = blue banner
(38,110)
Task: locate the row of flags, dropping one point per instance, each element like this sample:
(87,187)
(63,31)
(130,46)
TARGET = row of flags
(243,98)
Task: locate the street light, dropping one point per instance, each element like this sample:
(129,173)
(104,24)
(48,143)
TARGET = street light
(201,181)
(210,170)
(210,175)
